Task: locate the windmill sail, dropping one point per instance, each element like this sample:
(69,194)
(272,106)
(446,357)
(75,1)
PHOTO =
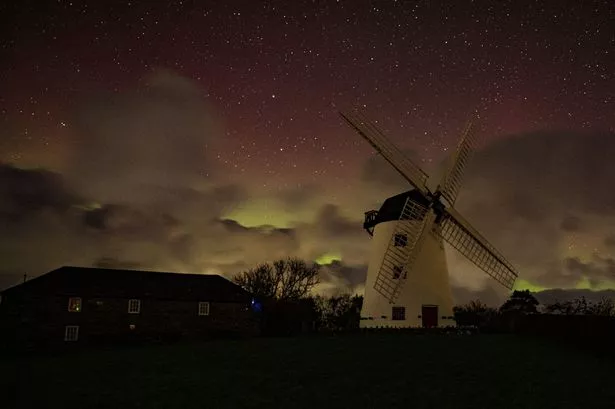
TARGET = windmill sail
(451,181)
(415,222)
(470,243)
(411,172)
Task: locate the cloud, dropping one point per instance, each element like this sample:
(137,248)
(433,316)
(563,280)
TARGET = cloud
(148,194)
(552,170)
(142,190)
(487,295)
(571,224)
(609,241)
(331,223)
(37,218)
(380,174)
(132,145)
(123,220)
(341,278)
(25,193)
(596,271)
(533,194)
(110,262)
(551,296)
(332,232)
(296,198)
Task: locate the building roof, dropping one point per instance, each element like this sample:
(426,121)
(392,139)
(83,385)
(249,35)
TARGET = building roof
(392,207)
(111,283)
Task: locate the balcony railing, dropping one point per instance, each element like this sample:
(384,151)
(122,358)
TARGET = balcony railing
(370,221)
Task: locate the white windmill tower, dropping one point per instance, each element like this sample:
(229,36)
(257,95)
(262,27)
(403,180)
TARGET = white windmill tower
(407,281)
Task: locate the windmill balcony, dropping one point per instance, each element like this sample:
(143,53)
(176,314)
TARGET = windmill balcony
(370,221)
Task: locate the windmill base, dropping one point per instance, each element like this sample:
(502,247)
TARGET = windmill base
(425,299)
(428,316)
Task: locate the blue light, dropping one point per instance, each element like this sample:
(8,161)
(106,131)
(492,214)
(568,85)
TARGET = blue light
(256,306)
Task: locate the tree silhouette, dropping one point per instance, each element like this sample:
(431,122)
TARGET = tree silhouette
(284,280)
(604,307)
(580,306)
(475,313)
(259,281)
(282,288)
(520,302)
(338,313)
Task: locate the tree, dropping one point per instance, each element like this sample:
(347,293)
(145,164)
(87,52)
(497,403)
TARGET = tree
(580,306)
(475,313)
(520,302)
(604,307)
(337,313)
(282,289)
(285,279)
(259,281)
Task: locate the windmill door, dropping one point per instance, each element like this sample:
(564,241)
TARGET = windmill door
(429,315)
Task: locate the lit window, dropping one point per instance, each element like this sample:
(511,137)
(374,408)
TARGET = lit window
(74,304)
(71,333)
(203,308)
(399,313)
(134,306)
(401,240)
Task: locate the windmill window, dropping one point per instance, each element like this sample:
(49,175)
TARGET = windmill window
(397,270)
(71,333)
(134,306)
(399,313)
(203,308)
(401,240)
(74,304)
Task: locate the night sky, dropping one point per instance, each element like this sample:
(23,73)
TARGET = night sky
(205,136)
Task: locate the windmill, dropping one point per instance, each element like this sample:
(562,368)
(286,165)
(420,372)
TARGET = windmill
(407,281)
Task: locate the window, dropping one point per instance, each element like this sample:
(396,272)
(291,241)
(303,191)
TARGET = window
(203,308)
(74,304)
(401,240)
(71,333)
(134,306)
(399,313)
(397,271)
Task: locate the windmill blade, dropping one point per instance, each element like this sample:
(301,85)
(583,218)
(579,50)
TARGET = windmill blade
(464,238)
(452,178)
(414,224)
(411,172)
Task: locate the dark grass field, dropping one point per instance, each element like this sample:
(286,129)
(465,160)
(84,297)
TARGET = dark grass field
(358,371)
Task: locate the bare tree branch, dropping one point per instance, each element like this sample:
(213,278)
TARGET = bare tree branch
(289,279)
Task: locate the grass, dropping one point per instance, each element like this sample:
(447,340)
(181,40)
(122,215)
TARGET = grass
(359,371)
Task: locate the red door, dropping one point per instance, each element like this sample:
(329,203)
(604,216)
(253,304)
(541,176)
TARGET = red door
(429,314)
